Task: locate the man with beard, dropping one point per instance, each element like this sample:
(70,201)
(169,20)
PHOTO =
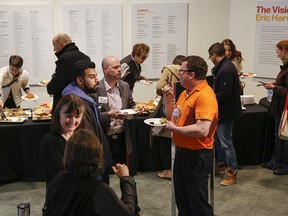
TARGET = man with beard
(85,81)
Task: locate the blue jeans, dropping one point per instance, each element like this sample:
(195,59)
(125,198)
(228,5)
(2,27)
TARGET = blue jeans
(279,157)
(225,151)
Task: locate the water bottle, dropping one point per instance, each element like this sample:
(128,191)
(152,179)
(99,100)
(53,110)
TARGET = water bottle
(23,209)
(269,95)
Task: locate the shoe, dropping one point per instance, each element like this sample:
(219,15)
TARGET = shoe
(220,168)
(280,172)
(266,166)
(229,178)
(166,174)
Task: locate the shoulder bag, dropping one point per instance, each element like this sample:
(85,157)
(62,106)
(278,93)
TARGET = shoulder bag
(283,126)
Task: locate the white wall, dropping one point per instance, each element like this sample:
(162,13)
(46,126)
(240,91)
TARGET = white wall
(209,21)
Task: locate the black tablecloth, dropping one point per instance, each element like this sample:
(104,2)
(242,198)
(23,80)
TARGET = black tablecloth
(144,157)
(253,135)
(19,159)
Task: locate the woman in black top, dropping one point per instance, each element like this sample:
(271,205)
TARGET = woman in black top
(76,191)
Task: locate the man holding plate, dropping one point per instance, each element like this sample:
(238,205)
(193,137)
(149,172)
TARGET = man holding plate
(12,80)
(113,96)
(193,120)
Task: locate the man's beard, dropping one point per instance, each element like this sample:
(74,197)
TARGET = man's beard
(94,89)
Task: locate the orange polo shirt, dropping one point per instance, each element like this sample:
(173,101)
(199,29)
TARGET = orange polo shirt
(201,103)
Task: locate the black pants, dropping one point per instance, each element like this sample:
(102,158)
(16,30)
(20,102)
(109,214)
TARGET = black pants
(118,147)
(190,174)
(165,151)
(10,103)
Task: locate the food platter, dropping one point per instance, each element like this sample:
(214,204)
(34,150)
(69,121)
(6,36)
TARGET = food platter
(24,97)
(42,112)
(13,120)
(125,112)
(156,122)
(17,112)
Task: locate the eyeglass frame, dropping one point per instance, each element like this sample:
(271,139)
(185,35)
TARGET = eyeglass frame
(183,71)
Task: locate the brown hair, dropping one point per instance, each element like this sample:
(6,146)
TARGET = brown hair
(83,155)
(283,44)
(16,61)
(74,103)
(235,53)
(178,59)
(139,49)
(197,65)
(217,48)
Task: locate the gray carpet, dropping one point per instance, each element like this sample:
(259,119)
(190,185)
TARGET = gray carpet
(257,193)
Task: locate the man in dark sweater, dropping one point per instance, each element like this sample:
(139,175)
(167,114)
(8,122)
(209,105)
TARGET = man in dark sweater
(227,90)
(67,53)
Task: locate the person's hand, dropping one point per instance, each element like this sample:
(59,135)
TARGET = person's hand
(115,114)
(269,85)
(168,93)
(170,126)
(120,170)
(1,105)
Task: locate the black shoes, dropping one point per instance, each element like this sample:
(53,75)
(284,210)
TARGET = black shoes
(280,172)
(266,166)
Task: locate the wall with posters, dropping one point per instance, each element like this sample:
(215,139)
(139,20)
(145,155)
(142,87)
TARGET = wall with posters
(209,21)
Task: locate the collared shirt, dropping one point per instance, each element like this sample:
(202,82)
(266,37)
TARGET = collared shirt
(200,103)
(115,103)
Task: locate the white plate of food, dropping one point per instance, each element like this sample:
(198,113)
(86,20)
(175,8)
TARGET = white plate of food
(158,122)
(29,98)
(146,82)
(127,112)
(43,83)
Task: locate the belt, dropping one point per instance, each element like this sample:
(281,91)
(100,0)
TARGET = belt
(191,150)
(115,136)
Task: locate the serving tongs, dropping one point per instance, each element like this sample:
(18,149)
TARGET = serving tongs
(3,116)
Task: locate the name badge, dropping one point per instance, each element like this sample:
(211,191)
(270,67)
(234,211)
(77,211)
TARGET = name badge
(103,100)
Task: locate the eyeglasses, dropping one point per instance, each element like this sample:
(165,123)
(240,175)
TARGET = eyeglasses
(144,56)
(182,71)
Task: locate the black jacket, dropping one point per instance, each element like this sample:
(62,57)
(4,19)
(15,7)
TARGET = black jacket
(133,72)
(227,90)
(67,196)
(279,92)
(69,55)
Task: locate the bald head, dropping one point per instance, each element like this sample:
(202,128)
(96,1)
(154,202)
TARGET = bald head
(60,40)
(111,68)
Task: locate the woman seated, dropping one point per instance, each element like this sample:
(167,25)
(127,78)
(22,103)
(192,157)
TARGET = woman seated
(77,191)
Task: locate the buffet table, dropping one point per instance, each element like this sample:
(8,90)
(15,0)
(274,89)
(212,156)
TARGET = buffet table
(19,144)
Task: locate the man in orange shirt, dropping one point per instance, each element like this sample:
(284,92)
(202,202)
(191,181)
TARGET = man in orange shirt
(193,121)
